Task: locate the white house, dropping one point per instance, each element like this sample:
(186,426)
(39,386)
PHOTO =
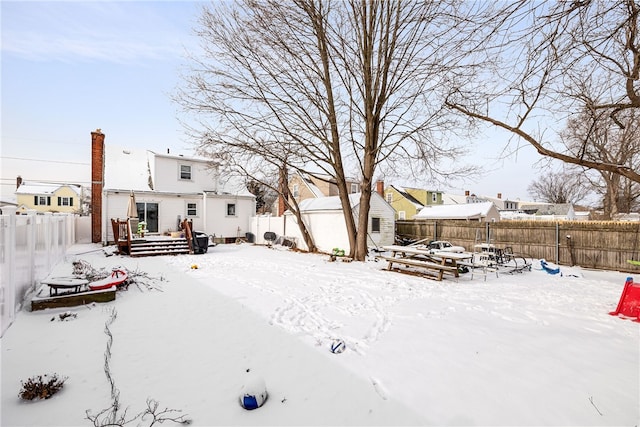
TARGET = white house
(483,212)
(325,221)
(170,188)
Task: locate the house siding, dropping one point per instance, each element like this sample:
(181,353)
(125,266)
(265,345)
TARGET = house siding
(381,209)
(167,175)
(400,203)
(303,190)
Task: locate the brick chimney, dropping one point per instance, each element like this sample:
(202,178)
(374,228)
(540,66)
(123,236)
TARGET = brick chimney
(380,187)
(466,193)
(97,183)
(499,195)
(18,182)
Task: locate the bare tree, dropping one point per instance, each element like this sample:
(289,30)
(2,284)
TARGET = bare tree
(559,187)
(607,139)
(546,61)
(327,87)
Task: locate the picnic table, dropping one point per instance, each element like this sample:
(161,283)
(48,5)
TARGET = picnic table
(433,262)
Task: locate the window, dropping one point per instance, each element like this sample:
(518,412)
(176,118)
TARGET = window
(42,200)
(434,197)
(389,197)
(402,215)
(354,188)
(296,190)
(65,201)
(375,225)
(231,209)
(192,209)
(185,172)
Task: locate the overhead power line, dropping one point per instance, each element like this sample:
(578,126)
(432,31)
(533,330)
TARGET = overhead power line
(46,161)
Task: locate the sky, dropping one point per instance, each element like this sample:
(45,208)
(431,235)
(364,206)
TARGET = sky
(69,68)
(523,349)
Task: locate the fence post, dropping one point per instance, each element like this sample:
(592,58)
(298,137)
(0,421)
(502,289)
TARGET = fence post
(47,237)
(8,286)
(557,243)
(31,245)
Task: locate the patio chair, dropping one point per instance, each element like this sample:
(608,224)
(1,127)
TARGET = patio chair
(485,262)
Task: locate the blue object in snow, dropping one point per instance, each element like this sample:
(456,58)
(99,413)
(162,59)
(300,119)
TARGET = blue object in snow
(548,269)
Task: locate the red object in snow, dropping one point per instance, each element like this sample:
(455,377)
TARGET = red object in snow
(117,277)
(629,304)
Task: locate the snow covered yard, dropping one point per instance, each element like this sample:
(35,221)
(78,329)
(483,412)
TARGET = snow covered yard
(521,349)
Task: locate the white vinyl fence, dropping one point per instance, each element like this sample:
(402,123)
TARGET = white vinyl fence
(30,245)
(328,230)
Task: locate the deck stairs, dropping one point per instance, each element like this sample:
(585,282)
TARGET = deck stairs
(141,247)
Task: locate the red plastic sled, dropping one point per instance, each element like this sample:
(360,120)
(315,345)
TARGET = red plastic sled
(118,277)
(629,304)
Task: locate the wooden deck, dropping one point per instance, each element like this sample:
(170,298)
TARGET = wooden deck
(159,246)
(129,243)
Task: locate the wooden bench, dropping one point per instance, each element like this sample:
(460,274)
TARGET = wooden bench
(439,269)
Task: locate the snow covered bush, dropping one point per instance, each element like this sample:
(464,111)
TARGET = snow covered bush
(41,387)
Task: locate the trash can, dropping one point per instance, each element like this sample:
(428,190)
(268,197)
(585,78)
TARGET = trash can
(201,242)
(249,237)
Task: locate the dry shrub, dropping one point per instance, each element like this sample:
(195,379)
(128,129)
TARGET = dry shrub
(41,387)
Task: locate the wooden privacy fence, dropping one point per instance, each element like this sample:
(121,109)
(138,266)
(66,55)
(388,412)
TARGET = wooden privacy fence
(591,244)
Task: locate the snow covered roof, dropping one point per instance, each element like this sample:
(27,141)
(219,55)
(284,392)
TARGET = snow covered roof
(310,185)
(408,196)
(461,211)
(135,169)
(42,188)
(453,199)
(127,168)
(548,208)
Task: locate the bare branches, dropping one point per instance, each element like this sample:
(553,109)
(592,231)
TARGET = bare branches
(327,86)
(555,60)
(113,416)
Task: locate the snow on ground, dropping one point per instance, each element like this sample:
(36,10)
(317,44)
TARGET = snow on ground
(519,349)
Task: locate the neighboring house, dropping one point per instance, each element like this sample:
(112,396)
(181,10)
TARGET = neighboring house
(469,197)
(308,186)
(503,205)
(483,212)
(407,202)
(46,197)
(551,211)
(167,189)
(632,216)
(325,220)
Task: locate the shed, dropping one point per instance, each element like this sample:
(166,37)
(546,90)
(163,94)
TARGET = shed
(325,221)
(483,212)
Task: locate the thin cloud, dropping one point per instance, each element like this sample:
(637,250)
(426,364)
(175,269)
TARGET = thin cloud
(118,32)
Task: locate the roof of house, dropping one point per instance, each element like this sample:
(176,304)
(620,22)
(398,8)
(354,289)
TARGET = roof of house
(134,169)
(461,211)
(310,185)
(43,188)
(548,209)
(408,196)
